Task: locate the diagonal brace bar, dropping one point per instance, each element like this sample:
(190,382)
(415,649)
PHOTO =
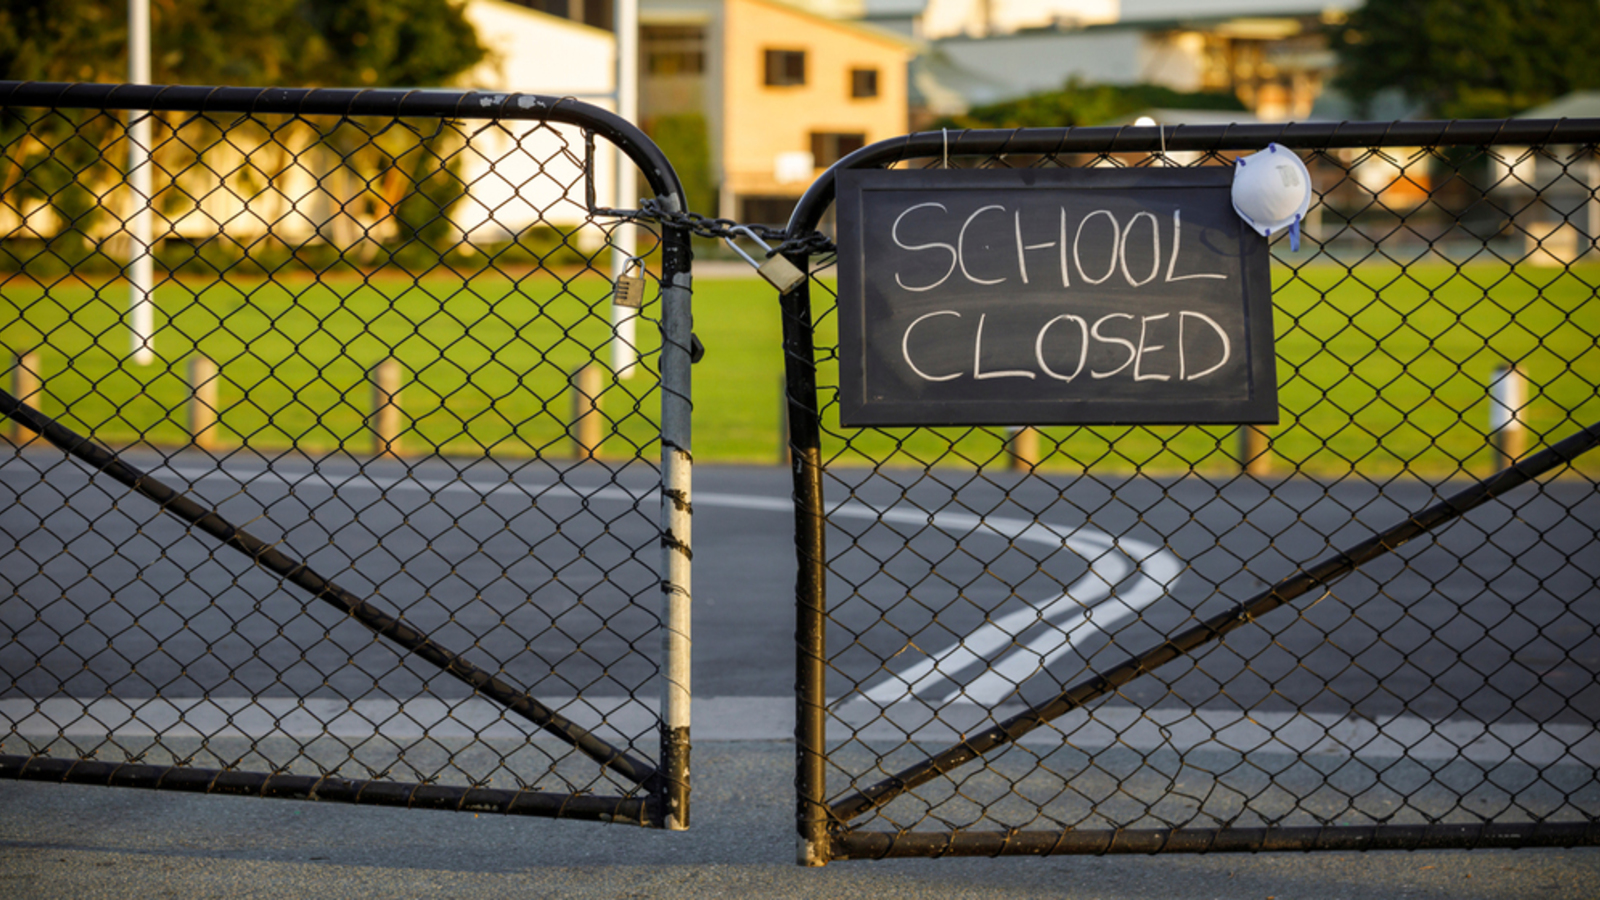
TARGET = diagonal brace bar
(1324,573)
(103,459)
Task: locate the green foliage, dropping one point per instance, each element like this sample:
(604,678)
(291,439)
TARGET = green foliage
(402,43)
(410,43)
(1078,103)
(686,141)
(71,161)
(436,187)
(1470,58)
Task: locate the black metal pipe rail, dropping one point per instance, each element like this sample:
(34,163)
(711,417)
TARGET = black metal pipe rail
(1348,838)
(328,788)
(1321,575)
(1204,138)
(389,103)
(822,838)
(376,620)
(667,783)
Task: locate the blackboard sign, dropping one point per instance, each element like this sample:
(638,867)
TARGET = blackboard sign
(1051,296)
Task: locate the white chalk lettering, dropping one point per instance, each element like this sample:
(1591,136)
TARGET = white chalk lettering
(894,234)
(977,360)
(1061,249)
(1133,353)
(1116,235)
(1183,364)
(1022,256)
(961,245)
(1123,255)
(1138,362)
(1083,348)
(1155,249)
(905,346)
(1177,240)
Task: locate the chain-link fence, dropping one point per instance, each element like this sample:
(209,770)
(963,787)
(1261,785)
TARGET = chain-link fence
(334,470)
(1357,628)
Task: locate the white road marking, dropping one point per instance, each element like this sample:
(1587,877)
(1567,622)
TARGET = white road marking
(1091,605)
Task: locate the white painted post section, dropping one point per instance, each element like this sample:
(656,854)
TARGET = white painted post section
(625,321)
(141,309)
(1508,394)
(1592,171)
(677,463)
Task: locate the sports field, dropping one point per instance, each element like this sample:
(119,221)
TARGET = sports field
(1380,368)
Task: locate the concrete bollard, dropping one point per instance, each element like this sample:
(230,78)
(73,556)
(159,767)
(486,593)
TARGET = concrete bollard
(203,405)
(586,418)
(385,419)
(1255,451)
(1022,446)
(1508,434)
(25,381)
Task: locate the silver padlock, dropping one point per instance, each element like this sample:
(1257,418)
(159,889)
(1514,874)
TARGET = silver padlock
(629,290)
(777,270)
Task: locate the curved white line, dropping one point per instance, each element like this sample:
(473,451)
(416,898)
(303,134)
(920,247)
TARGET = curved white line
(1158,572)
(1088,605)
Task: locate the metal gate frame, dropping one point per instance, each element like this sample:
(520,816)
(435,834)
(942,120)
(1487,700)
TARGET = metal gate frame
(823,831)
(666,803)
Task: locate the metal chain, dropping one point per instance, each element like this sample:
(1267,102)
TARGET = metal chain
(650,210)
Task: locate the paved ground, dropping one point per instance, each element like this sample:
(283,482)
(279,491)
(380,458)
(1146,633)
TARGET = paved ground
(79,843)
(1426,635)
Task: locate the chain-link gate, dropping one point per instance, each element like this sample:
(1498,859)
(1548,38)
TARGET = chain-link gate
(1358,629)
(343,478)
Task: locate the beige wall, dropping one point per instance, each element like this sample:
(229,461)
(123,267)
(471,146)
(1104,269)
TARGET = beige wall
(518,171)
(762,122)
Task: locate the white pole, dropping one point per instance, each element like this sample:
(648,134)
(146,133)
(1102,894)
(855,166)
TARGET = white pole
(142,312)
(1508,395)
(1592,170)
(624,321)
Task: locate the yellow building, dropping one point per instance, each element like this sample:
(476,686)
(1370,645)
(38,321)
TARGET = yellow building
(782,94)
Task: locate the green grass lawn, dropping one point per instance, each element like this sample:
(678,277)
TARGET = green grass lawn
(1381,369)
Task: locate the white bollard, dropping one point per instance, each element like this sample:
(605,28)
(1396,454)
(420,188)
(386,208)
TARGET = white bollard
(1508,433)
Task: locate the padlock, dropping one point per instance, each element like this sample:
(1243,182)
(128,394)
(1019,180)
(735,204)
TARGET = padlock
(629,290)
(777,270)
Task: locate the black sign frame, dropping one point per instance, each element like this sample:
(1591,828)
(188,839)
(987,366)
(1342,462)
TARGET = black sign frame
(869,289)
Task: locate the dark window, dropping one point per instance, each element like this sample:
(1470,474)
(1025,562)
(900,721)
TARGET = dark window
(767,210)
(673,49)
(786,68)
(863,82)
(829,147)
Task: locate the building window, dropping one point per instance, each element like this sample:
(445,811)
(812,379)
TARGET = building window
(829,147)
(786,68)
(773,211)
(673,49)
(863,83)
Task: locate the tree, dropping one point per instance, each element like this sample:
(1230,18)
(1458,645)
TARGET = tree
(1086,104)
(291,43)
(1470,58)
(70,161)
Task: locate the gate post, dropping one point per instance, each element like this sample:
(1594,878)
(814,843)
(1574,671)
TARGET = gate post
(1022,448)
(25,387)
(385,421)
(810,524)
(1255,451)
(203,402)
(586,435)
(677,465)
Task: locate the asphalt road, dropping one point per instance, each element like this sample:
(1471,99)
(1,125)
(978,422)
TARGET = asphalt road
(549,578)
(952,596)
